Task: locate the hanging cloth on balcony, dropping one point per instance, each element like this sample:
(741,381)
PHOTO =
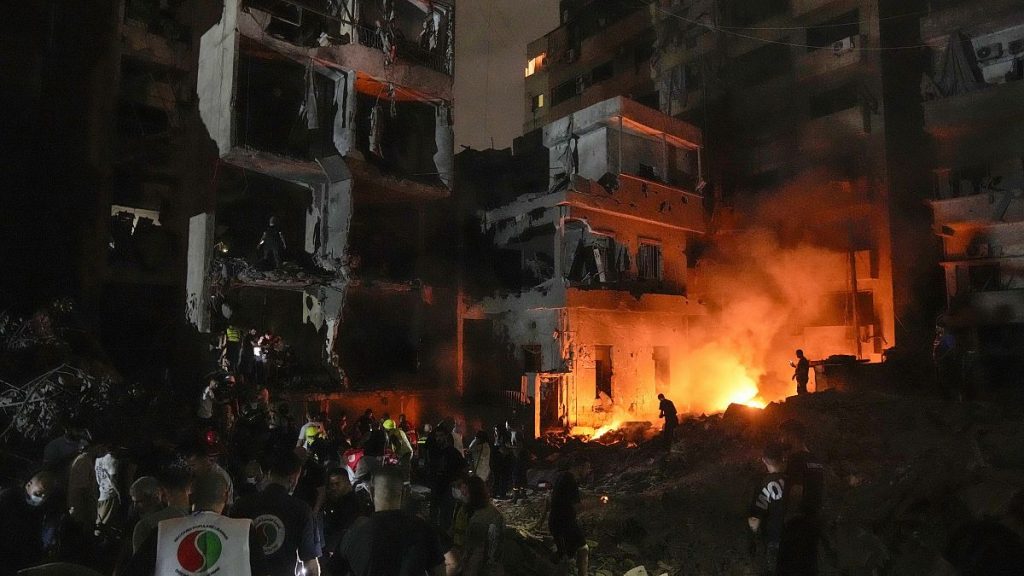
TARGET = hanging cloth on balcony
(958,73)
(308,109)
(375,127)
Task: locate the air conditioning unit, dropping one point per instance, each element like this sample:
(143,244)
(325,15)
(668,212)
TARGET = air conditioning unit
(989,52)
(1016,47)
(845,45)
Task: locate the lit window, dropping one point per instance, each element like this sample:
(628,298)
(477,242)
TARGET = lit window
(535,64)
(538,101)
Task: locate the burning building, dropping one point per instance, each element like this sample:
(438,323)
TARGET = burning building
(972,95)
(339,116)
(594,305)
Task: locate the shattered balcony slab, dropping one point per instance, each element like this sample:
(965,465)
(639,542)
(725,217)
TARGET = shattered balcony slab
(238,272)
(989,207)
(353,56)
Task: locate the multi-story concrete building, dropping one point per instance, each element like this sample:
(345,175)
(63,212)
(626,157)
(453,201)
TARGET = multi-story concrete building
(339,115)
(600,50)
(972,108)
(812,105)
(595,308)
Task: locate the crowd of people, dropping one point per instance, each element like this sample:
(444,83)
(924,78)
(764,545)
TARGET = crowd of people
(250,490)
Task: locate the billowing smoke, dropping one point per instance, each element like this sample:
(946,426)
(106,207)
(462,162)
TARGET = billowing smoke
(762,285)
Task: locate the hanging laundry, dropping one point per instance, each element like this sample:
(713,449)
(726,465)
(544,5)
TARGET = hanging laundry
(375,128)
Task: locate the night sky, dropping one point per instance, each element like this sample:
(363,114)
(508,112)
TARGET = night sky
(490,56)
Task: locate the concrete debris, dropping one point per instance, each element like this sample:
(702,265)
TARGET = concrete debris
(913,486)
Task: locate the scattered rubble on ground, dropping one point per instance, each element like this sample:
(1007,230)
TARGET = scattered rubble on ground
(905,479)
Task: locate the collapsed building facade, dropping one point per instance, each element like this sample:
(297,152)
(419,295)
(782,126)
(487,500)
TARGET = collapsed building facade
(340,120)
(598,295)
(972,107)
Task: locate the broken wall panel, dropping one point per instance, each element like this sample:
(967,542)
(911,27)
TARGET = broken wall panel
(218,53)
(197,282)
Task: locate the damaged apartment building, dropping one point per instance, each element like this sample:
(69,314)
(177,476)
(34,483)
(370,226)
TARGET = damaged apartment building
(822,115)
(972,96)
(333,119)
(593,268)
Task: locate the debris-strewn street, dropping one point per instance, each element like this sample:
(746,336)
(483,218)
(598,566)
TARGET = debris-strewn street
(902,477)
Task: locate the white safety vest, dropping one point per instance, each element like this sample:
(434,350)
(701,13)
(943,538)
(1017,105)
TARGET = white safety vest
(203,544)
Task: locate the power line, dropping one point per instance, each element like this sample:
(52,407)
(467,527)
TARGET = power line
(714,28)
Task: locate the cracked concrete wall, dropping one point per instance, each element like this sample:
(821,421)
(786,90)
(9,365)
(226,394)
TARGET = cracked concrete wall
(218,58)
(197,282)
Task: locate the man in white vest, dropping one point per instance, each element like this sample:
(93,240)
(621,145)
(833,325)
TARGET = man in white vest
(203,543)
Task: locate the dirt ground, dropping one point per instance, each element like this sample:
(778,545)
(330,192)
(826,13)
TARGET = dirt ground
(913,487)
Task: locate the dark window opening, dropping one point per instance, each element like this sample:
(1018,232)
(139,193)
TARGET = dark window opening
(827,33)
(832,101)
(601,73)
(838,309)
(983,277)
(662,369)
(764,63)
(648,262)
(745,12)
(563,92)
(533,358)
(603,371)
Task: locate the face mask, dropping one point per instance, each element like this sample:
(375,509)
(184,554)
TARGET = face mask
(34,500)
(458,495)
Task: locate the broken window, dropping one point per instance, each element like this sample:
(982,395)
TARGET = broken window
(602,371)
(648,261)
(600,260)
(662,369)
(533,358)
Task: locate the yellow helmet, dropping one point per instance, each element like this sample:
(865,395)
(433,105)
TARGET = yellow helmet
(389,424)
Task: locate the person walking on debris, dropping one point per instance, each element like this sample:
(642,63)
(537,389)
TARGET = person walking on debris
(801,372)
(570,543)
(482,550)
(805,480)
(271,248)
(767,515)
(667,410)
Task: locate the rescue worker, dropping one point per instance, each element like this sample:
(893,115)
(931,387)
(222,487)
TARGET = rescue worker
(312,429)
(271,248)
(767,515)
(203,542)
(400,445)
(667,410)
(805,482)
(801,372)
(175,487)
(231,348)
(284,524)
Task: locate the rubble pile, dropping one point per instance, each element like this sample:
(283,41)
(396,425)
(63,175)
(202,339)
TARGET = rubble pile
(913,486)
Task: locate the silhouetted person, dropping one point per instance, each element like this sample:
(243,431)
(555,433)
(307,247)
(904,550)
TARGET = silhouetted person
(667,410)
(270,250)
(29,519)
(801,372)
(805,488)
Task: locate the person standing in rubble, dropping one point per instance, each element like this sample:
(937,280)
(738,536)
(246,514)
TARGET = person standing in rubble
(563,507)
(271,248)
(767,515)
(801,372)
(805,483)
(667,410)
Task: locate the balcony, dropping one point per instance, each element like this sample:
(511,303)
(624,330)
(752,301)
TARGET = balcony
(985,208)
(966,15)
(801,7)
(974,113)
(988,307)
(826,60)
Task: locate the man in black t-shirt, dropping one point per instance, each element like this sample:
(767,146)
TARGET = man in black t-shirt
(767,514)
(805,487)
(283,523)
(391,542)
